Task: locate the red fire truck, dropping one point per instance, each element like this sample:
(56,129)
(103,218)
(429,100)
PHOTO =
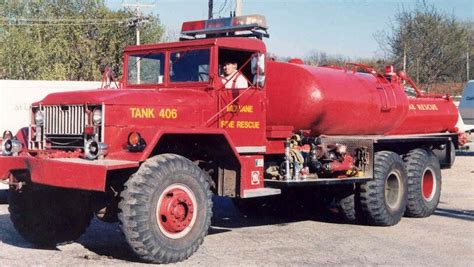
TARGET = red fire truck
(152,153)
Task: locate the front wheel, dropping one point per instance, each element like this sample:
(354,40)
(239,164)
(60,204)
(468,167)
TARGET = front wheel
(46,216)
(166,209)
(383,199)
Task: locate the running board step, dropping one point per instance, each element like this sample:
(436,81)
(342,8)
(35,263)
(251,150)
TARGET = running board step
(261,192)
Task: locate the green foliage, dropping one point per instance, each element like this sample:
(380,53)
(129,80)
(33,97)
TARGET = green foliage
(433,44)
(65,40)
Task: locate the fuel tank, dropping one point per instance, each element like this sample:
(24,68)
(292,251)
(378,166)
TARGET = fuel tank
(336,101)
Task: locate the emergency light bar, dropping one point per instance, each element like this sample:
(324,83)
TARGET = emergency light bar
(255,24)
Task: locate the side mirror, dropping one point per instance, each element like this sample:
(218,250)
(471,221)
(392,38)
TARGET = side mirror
(258,64)
(108,77)
(258,69)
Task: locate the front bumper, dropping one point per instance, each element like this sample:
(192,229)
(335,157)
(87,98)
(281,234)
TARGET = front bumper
(64,172)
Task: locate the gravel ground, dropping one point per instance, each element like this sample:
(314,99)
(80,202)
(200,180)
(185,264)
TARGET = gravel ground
(446,238)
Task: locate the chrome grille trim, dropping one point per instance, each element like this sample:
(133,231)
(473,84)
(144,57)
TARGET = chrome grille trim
(64,120)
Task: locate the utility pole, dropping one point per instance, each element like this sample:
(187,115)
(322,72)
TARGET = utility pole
(211,9)
(467,61)
(136,22)
(405,58)
(238,7)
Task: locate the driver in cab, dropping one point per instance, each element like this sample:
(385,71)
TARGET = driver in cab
(231,76)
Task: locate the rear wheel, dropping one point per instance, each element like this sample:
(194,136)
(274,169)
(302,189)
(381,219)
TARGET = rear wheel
(166,209)
(383,199)
(424,182)
(46,216)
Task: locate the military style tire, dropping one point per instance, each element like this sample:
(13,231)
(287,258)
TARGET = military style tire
(46,216)
(346,208)
(383,200)
(424,183)
(166,209)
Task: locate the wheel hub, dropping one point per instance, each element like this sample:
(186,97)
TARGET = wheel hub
(393,193)
(428,185)
(176,211)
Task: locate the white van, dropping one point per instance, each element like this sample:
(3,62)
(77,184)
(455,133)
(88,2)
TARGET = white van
(466,106)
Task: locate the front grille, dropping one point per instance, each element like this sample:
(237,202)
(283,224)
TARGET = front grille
(64,127)
(64,120)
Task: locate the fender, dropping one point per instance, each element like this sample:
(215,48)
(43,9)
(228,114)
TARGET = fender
(196,131)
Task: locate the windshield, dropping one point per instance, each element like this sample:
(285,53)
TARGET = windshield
(146,68)
(189,66)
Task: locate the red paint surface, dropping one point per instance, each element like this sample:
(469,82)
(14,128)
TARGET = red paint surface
(338,102)
(176,211)
(59,173)
(427,185)
(249,167)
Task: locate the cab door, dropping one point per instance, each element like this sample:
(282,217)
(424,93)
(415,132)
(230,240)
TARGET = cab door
(243,118)
(243,111)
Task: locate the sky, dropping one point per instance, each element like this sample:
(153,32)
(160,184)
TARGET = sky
(337,27)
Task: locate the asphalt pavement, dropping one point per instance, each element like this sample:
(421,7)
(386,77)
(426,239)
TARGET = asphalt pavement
(445,238)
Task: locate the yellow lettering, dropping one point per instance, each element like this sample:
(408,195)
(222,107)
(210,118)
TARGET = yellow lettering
(232,108)
(151,113)
(140,113)
(227,124)
(238,108)
(411,107)
(427,107)
(246,109)
(167,113)
(248,124)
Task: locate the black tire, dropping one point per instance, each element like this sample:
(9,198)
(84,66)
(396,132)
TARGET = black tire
(346,208)
(158,235)
(46,216)
(383,200)
(346,200)
(424,182)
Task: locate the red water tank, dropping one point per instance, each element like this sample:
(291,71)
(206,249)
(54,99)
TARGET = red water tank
(336,101)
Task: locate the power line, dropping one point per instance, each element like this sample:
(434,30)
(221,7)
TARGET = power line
(224,5)
(59,20)
(61,24)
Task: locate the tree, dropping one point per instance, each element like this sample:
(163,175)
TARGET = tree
(65,40)
(321,58)
(431,45)
(469,27)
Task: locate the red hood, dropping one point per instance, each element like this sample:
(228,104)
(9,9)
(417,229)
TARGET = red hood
(125,97)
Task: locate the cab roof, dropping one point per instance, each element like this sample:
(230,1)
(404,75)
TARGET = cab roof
(242,43)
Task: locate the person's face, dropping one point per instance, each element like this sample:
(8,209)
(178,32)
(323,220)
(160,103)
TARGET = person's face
(229,68)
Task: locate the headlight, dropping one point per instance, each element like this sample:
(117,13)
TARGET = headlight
(94,149)
(11,147)
(39,118)
(97,116)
